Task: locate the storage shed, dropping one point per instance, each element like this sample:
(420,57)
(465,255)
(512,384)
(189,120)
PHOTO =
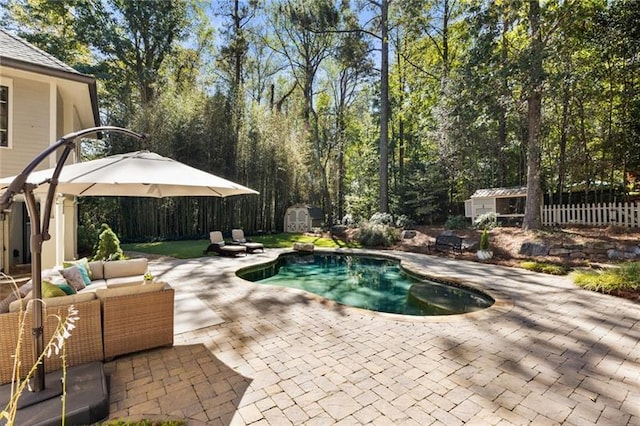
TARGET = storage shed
(506,203)
(303,218)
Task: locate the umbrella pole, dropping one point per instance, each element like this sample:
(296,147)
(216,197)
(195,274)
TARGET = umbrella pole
(37,384)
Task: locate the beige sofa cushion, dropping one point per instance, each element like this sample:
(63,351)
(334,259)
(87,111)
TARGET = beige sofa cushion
(125,268)
(52,302)
(97,270)
(103,293)
(95,285)
(124,281)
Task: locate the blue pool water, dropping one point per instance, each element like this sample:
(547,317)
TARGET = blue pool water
(373,283)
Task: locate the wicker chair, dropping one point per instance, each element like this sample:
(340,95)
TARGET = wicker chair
(136,322)
(84,345)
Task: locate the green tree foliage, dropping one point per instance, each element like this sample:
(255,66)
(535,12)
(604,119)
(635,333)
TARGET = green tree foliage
(290,104)
(135,40)
(304,40)
(108,246)
(616,41)
(50,25)
(488,108)
(352,68)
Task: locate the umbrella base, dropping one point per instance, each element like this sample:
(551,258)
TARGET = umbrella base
(87,399)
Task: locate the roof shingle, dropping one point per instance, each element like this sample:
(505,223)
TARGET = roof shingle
(14,47)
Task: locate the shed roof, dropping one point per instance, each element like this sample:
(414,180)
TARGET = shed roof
(314,212)
(516,191)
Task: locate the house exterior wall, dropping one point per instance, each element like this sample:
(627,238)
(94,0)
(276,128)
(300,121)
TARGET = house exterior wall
(40,114)
(30,125)
(47,99)
(30,135)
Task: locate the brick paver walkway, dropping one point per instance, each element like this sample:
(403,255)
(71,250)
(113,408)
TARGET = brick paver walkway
(547,353)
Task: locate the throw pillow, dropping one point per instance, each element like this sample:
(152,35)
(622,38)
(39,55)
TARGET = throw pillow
(85,275)
(4,305)
(26,288)
(83,264)
(51,290)
(66,287)
(73,277)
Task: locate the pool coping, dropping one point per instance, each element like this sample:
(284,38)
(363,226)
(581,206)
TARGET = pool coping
(502,303)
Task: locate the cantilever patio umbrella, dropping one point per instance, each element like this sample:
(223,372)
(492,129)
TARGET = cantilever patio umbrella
(136,174)
(140,174)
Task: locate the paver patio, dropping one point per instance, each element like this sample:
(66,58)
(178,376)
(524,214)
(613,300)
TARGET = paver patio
(547,353)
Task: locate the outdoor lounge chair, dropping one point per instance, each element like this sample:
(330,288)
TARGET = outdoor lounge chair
(218,246)
(237,237)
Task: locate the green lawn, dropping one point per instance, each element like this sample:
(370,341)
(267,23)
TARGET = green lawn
(187,249)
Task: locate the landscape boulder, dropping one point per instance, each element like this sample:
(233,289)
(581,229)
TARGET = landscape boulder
(533,249)
(408,234)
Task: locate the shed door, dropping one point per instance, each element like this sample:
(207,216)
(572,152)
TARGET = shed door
(292,218)
(303,220)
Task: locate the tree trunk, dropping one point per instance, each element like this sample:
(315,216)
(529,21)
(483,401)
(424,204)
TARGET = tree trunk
(534,111)
(562,160)
(384,110)
(341,130)
(501,172)
(237,106)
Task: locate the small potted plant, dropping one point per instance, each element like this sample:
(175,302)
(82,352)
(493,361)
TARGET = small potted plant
(484,253)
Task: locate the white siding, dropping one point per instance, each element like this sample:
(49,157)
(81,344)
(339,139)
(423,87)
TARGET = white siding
(30,125)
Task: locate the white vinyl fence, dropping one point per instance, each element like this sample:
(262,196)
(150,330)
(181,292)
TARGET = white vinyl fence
(597,214)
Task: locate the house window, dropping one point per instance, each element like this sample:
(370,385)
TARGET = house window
(4,116)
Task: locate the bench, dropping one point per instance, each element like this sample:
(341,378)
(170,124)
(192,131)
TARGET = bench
(449,242)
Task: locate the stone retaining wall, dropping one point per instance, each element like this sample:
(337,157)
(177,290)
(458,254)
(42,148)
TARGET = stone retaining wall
(591,251)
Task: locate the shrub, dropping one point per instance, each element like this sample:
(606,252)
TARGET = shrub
(546,268)
(376,235)
(486,221)
(404,222)
(348,220)
(631,273)
(108,247)
(456,222)
(381,219)
(484,241)
(626,277)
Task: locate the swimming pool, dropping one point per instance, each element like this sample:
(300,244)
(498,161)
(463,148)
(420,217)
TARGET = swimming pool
(368,282)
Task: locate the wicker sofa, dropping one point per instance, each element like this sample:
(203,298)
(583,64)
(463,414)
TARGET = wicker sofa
(115,318)
(84,345)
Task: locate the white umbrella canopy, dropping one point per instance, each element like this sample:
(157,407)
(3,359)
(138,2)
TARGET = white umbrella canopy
(135,174)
